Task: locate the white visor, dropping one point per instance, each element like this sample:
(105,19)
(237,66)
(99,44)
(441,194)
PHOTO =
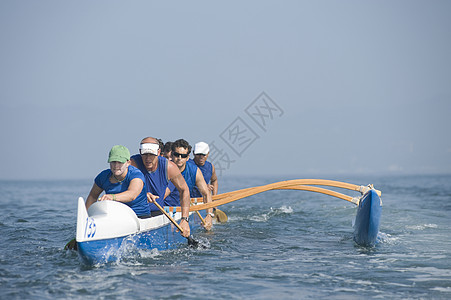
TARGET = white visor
(149,148)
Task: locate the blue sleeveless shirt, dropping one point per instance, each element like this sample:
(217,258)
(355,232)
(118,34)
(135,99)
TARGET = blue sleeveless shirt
(140,205)
(157,181)
(173,199)
(207,171)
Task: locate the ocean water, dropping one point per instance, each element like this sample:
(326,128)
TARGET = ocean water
(290,244)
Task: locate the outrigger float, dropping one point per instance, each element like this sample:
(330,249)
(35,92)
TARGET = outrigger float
(108,229)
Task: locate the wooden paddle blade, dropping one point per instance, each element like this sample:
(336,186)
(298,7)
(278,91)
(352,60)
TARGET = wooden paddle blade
(220,216)
(71,245)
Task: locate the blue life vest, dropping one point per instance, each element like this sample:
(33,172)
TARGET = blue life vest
(207,172)
(173,199)
(140,205)
(157,181)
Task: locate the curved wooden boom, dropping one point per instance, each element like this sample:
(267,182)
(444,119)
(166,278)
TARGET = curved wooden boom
(297,184)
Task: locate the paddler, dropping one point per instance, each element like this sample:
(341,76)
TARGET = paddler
(167,150)
(158,171)
(193,177)
(121,182)
(201,151)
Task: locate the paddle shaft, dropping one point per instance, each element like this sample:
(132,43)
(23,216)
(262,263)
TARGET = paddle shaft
(191,241)
(201,219)
(168,216)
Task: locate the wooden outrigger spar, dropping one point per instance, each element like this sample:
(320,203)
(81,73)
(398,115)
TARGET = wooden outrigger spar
(297,184)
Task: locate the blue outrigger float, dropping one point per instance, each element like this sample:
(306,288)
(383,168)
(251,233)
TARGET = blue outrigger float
(108,229)
(367,219)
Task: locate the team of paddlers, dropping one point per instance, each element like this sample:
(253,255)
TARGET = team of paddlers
(161,173)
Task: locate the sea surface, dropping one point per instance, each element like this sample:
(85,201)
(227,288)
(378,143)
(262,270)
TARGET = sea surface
(278,244)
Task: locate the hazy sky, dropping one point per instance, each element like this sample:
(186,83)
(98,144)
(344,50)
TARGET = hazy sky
(301,88)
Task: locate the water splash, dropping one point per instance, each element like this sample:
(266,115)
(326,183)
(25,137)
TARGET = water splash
(386,238)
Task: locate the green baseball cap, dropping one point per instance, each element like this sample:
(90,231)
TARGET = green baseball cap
(119,153)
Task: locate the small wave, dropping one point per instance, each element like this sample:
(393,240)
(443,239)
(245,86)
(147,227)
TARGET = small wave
(234,218)
(273,212)
(260,218)
(442,289)
(422,227)
(257,218)
(286,209)
(265,216)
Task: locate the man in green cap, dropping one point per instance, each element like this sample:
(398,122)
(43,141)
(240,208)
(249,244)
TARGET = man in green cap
(121,182)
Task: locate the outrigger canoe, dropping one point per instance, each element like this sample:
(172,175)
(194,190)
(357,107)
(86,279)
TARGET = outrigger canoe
(108,229)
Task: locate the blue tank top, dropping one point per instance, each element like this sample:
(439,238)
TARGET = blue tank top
(207,172)
(157,181)
(140,205)
(173,199)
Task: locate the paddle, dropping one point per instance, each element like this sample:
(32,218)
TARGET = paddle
(200,217)
(71,245)
(191,241)
(220,216)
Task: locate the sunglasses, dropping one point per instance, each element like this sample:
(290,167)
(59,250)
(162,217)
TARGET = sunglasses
(176,154)
(201,154)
